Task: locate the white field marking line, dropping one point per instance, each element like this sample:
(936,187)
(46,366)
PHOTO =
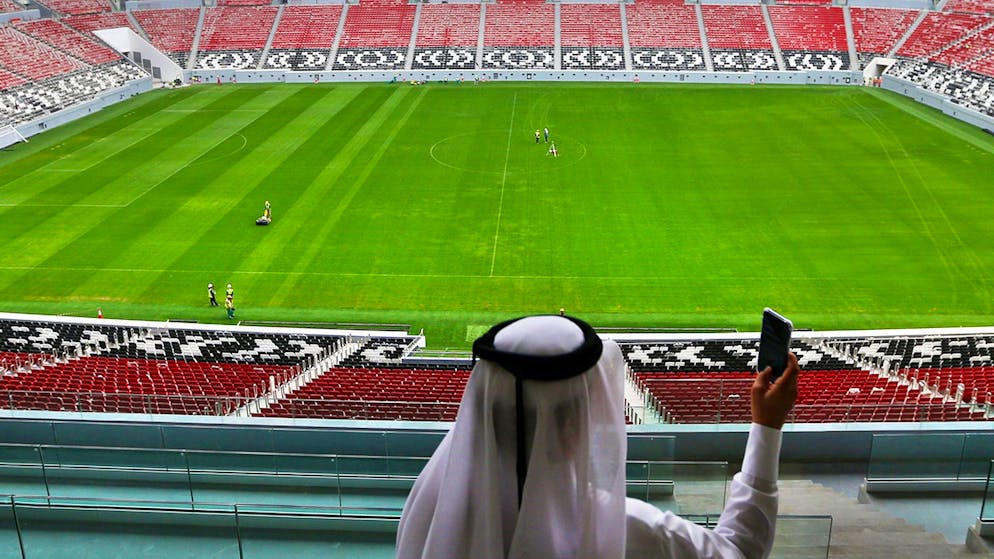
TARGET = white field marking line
(431,153)
(406,276)
(244,143)
(185,165)
(222,156)
(214,110)
(503,181)
(62,205)
(44,169)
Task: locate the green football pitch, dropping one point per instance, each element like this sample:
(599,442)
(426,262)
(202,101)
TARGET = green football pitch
(669,206)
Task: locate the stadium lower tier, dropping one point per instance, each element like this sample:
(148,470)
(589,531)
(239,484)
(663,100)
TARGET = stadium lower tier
(93,365)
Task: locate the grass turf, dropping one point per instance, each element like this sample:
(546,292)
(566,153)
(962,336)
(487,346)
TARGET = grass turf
(668,206)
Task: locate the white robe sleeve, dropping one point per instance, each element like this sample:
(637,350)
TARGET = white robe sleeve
(746,527)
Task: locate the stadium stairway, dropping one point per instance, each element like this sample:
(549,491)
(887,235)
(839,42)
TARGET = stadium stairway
(858,530)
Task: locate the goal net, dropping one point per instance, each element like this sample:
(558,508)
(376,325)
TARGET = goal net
(9,136)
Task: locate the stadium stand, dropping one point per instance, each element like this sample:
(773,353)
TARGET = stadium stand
(983,65)
(376,36)
(77,7)
(707,381)
(31,58)
(234,37)
(967,88)
(304,37)
(738,38)
(590,36)
(127,385)
(664,35)
(447,36)
(32,100)
(244,2)
(961,53)
(92,22)
(57,35)
(876,30)
(377,393)
(9,80)
(171,31)
(519,35)
(811,37)
(9,6)
(74,367)
(938,30)
(969,6)
(96,367)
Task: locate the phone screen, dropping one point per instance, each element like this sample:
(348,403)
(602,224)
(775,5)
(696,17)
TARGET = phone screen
(774,343)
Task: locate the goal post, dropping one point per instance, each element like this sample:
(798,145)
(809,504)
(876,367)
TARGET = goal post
(10,136)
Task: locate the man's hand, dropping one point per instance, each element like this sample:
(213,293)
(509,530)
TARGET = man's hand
(772,402)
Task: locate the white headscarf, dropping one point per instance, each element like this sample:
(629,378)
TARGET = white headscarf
(465,504)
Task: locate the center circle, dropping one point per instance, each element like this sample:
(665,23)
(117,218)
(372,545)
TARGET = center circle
(493,152)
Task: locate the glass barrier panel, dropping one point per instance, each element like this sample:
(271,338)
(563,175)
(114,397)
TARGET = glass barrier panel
(264,489)
(987,507)
(21,472)
(368,465)
(116,473)
(307,464)
(682,487)
(375,493)
(245,462)
(105,457)
(978,448)
(19,454)
(10,545)
(920,456)
(410,467)
(264,536)
(373,512)
(110,528)
(642,446)
(802,536)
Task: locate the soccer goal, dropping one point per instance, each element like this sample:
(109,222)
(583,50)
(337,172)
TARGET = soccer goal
(10,136)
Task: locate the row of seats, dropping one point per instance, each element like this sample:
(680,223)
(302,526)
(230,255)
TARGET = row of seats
(876,31)
(88,23)
(77,7)
(50,95)
(824,396)
(30,58)
(57,35)
(670,23)
(519,23)
(139,376)
(588,25)
(937,30)
(970,6)
(965,87)
(236,28)
(171,31)
(809,28)
(377,32)
(378,23)
(306,27)
(443,25)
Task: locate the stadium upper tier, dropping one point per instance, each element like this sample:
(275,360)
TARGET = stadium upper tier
(508,34)
(130,367)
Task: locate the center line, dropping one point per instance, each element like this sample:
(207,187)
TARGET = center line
(503,181)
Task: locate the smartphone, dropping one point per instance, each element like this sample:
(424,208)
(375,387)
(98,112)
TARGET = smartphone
(774,342)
